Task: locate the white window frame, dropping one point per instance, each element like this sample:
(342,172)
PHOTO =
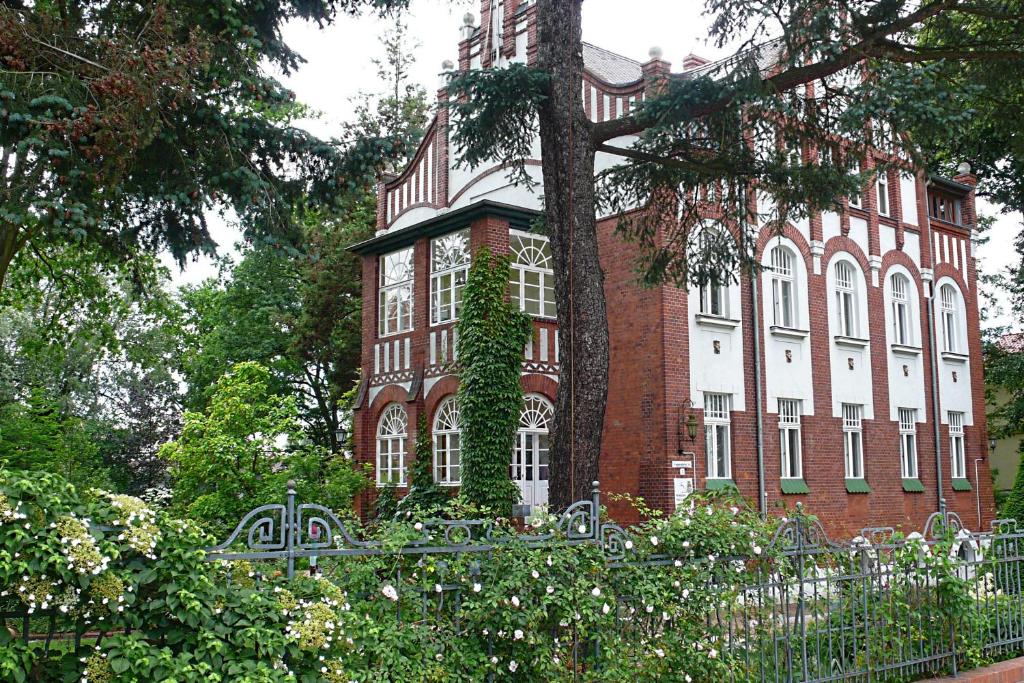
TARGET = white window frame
(957,447)
(949,307)
(853,440)
(449,269)
(718,435)
(395,300)
(447,438)
(531,255)
(856,200)
(714,300)
(902,313)
(882,187)
(784,289)
(392,438)
(790,439)
(908,443)
(847,305)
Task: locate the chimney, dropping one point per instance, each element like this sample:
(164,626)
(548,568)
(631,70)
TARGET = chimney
(692,61)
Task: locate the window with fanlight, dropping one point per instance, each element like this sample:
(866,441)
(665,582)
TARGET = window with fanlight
(902,312)
(783,287)
(447,436)
(392,434)
(395,294)
(846,299)
(533,278)
(949,303)
(449,268)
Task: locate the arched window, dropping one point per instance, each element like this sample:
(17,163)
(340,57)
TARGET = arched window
(447,441)
(846,299)
(714,294)
(392,431)
(949,303)
(449,268)
(902,313)
(783,287)
(529,468)
(533,277)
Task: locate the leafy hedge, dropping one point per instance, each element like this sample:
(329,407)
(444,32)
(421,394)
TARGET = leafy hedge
(109,565)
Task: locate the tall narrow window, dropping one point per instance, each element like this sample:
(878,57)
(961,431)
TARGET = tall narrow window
(714,299)
(883,193)
(789,439)
(908,443)
(846,299)
(717,437)
(395,309)
(855,199)
(533,280)
(950,319)
(447,441)
(957,452)
(392,432)
(449,267)
(853,441)
(783,287)
(901,315)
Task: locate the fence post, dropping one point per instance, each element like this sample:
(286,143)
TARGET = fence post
(595,498)
(289,528)
(800,606)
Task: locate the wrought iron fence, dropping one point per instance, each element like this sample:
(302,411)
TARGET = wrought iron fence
(877,607)
(872,608)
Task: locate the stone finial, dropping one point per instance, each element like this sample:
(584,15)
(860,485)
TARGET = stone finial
(468,19)
(655,53)
(447,65)
(964,168)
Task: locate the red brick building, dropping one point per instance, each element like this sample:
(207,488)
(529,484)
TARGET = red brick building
(847,376)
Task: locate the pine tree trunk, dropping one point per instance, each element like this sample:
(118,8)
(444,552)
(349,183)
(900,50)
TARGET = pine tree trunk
(567,150)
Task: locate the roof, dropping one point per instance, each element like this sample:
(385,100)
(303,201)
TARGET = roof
(949,184)
(610,67)
(518,217)
(1012,342)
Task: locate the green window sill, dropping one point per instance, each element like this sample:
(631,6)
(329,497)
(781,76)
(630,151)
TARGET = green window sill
(913,486)
(719,484)
(857,486)
(794,486)
(961,485)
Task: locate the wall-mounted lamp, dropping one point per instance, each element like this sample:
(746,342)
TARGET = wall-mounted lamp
(689,423)
(339,435)
(991,446)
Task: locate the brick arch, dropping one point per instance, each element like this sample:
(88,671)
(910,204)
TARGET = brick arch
(540,384)
(392,393)
(442,389)
(793,235)
(947,270)
(845,244)
(900,258)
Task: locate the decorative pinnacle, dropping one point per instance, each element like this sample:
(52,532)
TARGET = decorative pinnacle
(291,486)
(655,52)
(964,168)
(447,65)
(468,19)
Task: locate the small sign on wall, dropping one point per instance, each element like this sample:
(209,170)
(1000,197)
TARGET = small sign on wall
(683,487)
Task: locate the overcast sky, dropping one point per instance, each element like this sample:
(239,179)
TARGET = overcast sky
(338,68)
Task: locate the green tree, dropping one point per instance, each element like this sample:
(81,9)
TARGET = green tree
(491,335)
(1013,508)
(123,123)
(242,450)
(806,75)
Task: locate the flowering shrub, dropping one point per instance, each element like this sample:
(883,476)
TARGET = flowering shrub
(691,597)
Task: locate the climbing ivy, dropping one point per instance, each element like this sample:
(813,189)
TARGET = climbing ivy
(491,336)
(425,497)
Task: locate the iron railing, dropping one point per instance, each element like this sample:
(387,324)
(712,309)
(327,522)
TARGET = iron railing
(876,607)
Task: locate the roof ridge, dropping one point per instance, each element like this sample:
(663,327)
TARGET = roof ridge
(614,54)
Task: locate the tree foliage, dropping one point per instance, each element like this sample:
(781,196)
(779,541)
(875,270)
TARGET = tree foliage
(491,336)
(123,123)
(243,449)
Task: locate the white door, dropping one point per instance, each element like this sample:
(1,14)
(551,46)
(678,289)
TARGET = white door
(529,468)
